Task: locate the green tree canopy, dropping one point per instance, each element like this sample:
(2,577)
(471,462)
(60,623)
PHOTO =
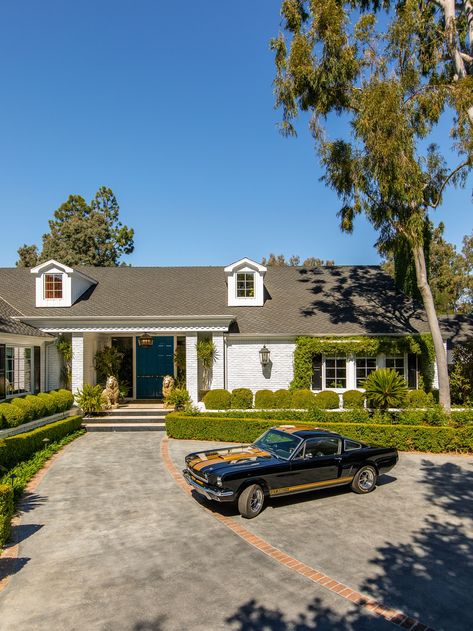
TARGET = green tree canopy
(293,261)
(390,71)
(83,234)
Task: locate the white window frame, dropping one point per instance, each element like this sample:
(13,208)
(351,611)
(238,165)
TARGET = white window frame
(44,286)
(241,273)
(7,373)
(324,373)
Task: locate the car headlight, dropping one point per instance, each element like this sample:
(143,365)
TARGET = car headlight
(219,481)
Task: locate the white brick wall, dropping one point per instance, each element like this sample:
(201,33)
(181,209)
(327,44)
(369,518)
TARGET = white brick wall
(192,381)
(244,369)
(91,346)
(54,365)
(218,369)
(77,361)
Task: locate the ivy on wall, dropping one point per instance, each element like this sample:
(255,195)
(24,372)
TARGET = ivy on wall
(306,347)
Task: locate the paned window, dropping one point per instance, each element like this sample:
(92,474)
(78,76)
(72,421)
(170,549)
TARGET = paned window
(17,370)
(364,367)
(396,363)
(245,285)
(335,372)
(52,286)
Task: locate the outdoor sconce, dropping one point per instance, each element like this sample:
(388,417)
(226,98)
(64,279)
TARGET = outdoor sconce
(145,340)
(264,355)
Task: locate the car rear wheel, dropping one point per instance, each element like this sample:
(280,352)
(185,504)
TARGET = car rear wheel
(365,480)
(250,502)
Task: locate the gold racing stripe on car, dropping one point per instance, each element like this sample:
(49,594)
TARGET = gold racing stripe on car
(199,464)
(310,485)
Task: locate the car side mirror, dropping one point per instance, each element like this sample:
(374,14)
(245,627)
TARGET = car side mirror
(308,456)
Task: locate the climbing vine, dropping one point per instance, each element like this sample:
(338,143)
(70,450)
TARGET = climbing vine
(306,347)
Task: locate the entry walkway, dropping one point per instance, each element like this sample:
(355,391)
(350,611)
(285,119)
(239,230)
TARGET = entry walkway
(110,543)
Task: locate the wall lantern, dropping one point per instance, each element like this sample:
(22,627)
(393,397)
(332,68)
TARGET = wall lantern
(145,340)
(264,355)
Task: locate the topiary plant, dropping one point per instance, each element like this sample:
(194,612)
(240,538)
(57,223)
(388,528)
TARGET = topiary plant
(303,399)
(264,400)
(385,388)
(419,399)
(327,400)
(11,415)
(28,410)
(38,406)
(282,399)
(217,400)
(49,401)
(242,399)
(353,399)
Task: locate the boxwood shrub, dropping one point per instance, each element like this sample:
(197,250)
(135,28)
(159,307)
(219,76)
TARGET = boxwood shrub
(23,409)
(327,400)
(6,512)
(242,399)
(49,401)
(353,399)
(404,437)
(11,415)
(264,400)
(282,399)
(217,400)
(303,399)
(14,449)
(419,399)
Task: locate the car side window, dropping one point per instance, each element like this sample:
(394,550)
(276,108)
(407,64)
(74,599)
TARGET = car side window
(321,447)
(349,445)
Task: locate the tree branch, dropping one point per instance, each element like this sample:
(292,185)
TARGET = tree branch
(447,180)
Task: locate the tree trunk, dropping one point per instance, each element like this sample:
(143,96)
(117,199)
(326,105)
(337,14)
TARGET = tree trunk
(440,354)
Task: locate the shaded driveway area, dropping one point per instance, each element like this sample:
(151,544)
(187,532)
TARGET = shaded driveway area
(109,542)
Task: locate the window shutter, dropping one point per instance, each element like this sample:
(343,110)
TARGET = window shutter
(317,372)
(37,369)
(412,371)
(2,372)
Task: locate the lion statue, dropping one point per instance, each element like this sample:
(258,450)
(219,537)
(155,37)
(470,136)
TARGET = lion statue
(168,385)
(111,394)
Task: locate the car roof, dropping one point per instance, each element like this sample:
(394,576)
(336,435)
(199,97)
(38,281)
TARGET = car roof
(303,431)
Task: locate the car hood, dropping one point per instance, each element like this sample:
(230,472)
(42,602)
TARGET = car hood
(215,461)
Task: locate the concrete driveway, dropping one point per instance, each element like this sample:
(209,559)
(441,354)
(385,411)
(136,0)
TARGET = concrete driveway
(109,542)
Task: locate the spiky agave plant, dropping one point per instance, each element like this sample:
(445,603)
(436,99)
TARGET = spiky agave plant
(385,388)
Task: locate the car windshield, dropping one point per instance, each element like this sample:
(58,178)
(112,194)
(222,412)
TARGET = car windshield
(281,444)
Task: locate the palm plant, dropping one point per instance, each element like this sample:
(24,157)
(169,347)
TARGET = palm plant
(385,388)
(90,399)
(207,354)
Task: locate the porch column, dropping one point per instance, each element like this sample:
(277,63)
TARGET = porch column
(77,362)
(351,372)
(218,369)
(192,375)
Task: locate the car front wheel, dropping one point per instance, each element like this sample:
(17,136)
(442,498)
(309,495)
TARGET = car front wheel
(365,480)
(250,502)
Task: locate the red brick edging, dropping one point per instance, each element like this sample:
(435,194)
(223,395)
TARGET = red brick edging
(398,618)
(9,555)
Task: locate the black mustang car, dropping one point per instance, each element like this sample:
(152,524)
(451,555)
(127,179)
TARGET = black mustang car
(284,460)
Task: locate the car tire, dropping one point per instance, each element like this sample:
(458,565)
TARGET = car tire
(251,501)
(365,480)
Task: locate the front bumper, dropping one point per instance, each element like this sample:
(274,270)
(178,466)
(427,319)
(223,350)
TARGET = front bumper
(211,493)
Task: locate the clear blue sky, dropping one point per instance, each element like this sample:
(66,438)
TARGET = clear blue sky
(170,104)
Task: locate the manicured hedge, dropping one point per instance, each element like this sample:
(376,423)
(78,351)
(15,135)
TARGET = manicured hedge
(353,399)
(217,400)
(6,512)
(303,399)
(404,437)
(14,449)
(23,409)
(282,399)
(264,400)
(242,399)
(327,400)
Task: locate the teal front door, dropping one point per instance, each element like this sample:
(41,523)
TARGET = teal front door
(152,364)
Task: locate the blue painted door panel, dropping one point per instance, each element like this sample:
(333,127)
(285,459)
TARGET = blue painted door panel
(152,364)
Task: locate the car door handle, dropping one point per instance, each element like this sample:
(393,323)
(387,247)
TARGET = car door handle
(338,458)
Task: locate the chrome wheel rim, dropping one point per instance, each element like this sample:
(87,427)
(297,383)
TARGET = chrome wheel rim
(366,479)
(256,500)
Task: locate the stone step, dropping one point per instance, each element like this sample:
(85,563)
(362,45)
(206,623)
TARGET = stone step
(122,427)
(131,412)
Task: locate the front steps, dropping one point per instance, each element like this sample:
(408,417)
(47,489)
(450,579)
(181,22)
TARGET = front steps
(129,417)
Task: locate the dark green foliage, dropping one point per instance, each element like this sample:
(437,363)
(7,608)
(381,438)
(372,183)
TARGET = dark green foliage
(83,234)
(217,400)
(419,399)
(6,512)
(14,449)
(264,400)
(282,399)
(404,437)
(385,388)
(434,415)
(461,374)
(303,399)
(327,400)
(242,399)
(108,362)
(353,399)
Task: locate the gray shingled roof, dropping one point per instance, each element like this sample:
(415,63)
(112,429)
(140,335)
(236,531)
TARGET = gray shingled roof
(343,300)
(14,327)
(457,328)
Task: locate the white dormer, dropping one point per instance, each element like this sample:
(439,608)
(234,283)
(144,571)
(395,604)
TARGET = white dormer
(245,283)
(58,285)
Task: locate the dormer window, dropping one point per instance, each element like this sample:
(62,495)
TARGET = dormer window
(52,286)
(245,285)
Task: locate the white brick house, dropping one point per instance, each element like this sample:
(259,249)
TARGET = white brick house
(150,312)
